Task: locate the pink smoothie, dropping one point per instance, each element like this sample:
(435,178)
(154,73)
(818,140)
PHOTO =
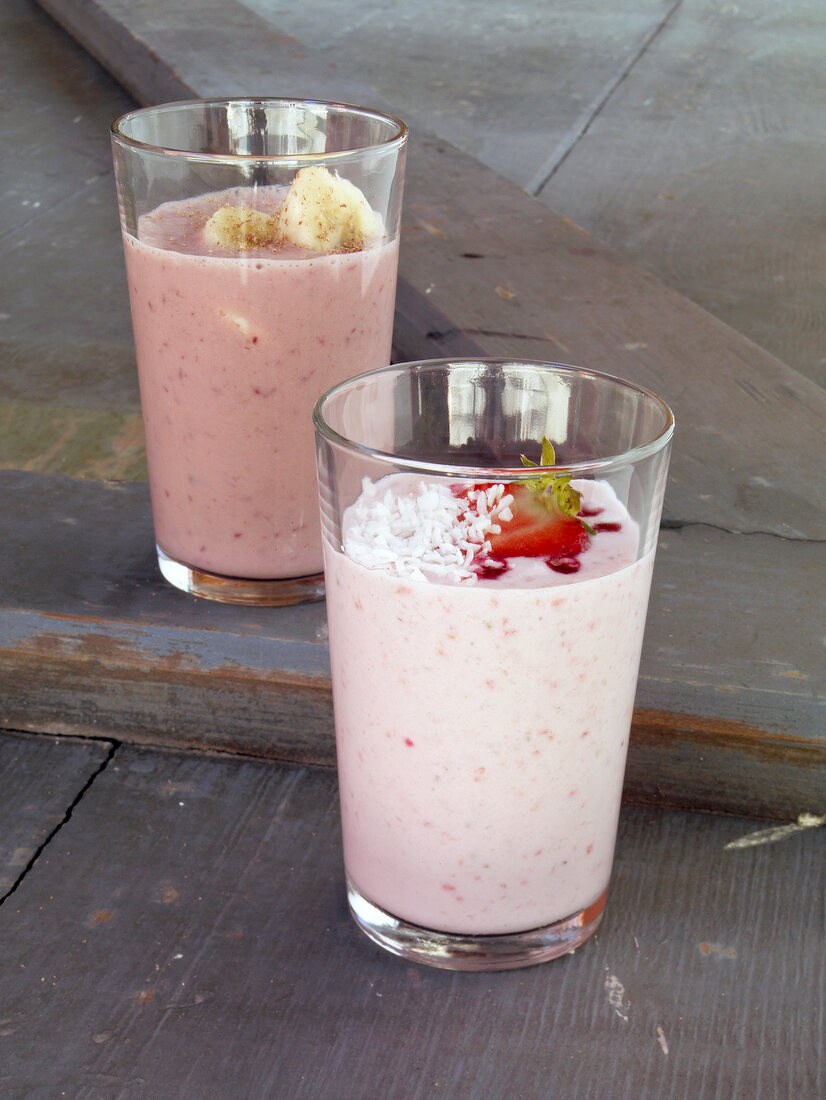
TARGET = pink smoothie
(233,349)
(482,729)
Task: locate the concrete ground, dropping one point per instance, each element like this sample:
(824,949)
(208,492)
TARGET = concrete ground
(689,135)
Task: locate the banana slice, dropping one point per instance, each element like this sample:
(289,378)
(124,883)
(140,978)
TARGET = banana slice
(241,228)
(326,213)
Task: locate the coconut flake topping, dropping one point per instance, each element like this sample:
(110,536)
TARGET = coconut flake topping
(423,530)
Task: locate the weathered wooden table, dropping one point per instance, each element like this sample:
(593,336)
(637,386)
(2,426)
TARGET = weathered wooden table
(184,934)
(173,914)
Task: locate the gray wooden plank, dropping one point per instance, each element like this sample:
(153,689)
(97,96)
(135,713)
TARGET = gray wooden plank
(134,40)
(60,228)
(716,624)
(40,779)
(93,642)
(61,88)
(539,286)
(185,934)
(420,331)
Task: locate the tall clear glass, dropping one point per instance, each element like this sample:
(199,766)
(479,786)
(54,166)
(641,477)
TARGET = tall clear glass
(261,242)
(485,644)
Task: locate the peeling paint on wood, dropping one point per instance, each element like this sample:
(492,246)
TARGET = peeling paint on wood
(94,643)
(779,832)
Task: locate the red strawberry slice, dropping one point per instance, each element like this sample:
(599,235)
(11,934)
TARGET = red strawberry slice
(538,528)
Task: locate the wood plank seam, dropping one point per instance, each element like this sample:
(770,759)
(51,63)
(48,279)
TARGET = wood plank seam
(73,805)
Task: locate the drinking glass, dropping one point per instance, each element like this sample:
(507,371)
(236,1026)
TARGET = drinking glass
(483,699)
(261,243)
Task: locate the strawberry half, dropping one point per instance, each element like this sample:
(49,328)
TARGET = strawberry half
(539,528)
(547,520)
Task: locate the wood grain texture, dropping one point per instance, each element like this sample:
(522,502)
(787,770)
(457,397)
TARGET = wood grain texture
(420,331)
(40,778)
(186,935)
(724,622)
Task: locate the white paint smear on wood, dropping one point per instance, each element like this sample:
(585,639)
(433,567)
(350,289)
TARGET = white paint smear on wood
(616,995)
(777,832)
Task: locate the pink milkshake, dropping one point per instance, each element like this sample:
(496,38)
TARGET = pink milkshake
(489,532)
(261,244)
(233,349)
(482,720)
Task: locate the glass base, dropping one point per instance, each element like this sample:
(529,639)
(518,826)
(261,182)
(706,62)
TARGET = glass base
(261,593)
(451,951)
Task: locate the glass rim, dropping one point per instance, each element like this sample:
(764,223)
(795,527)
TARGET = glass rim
(118,135)
(516,473)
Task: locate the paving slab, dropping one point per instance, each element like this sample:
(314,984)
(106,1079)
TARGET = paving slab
(686,134)
(185,934)
(508,86)
(703,166)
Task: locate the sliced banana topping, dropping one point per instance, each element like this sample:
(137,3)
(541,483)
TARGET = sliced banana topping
(240,227)
(326,213)
(321,212)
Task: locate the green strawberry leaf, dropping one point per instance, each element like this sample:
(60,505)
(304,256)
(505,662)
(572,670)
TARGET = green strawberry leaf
(555,489)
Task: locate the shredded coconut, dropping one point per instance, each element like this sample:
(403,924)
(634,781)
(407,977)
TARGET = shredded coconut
(424,531)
